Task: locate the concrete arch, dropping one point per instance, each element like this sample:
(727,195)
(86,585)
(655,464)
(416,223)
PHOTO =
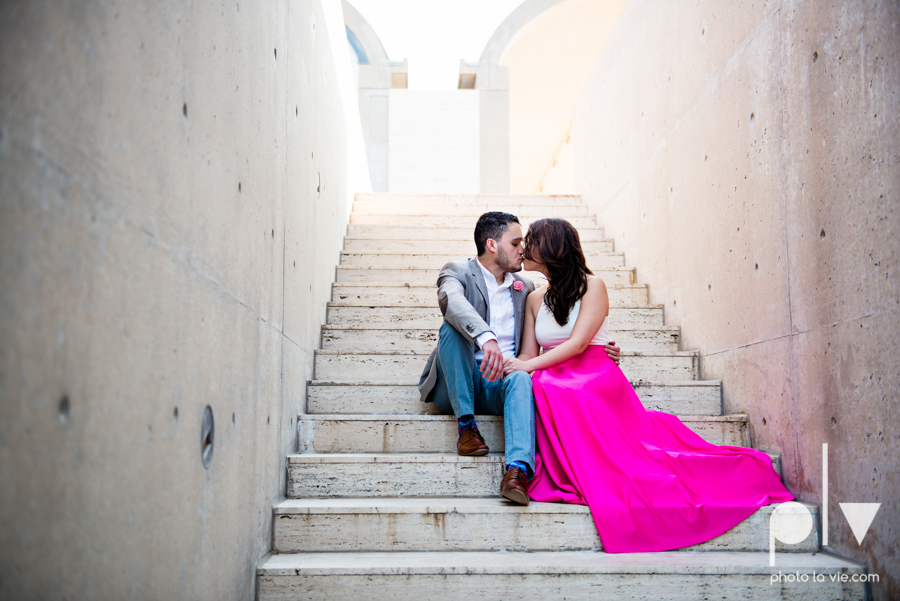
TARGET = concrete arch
(549,48)
(376,76)
(507,30)
(365,34)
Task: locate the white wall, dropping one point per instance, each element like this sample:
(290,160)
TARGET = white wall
(434,141)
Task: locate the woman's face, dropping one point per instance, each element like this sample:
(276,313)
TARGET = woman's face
(532,258)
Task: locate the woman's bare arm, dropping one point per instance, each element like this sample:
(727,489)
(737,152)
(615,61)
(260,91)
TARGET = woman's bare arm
(594,309)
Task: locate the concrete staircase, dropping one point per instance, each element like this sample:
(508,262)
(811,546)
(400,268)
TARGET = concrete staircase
(379,504)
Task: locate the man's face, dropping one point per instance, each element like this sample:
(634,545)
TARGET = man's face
(510,249)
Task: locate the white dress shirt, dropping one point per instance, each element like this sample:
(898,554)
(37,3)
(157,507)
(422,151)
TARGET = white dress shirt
(502,312)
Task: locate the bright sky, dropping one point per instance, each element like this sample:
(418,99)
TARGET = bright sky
(434,35)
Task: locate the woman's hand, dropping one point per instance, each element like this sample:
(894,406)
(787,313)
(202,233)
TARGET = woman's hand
(512,364)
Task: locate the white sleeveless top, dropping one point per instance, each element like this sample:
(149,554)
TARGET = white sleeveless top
(550,334)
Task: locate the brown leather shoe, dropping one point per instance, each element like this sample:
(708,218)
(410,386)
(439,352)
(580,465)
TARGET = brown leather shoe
(515,486)
(471,443)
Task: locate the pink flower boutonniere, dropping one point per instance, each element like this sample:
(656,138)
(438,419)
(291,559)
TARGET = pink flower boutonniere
(518,286)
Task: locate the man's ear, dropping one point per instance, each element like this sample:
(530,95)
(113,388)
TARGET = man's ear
(491,245)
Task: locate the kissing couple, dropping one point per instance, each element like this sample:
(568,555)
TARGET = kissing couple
(575,431)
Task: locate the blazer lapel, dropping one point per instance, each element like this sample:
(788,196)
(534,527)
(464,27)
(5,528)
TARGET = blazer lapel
(519,312)
(482,287)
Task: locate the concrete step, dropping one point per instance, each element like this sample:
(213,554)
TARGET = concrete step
(457,248)
(428,277)
(327,475)
(620,295)
(660,339)
(430,318)
(479,524)
(471,208)
(697,397)
(330,433)
(447,232)
(390,366)
(454,221)
(426,260)
(489,201)
(571,575)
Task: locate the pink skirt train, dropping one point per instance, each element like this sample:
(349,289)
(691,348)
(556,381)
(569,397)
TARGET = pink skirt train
(651,483)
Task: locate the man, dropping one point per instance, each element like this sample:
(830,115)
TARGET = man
(483,303)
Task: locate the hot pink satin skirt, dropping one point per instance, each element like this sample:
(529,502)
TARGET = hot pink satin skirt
(651,483)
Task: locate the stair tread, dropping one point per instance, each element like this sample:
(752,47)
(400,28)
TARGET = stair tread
(430,270)
(431,253)
(429,505)
(411,417)
(550,562)
(611,329)
(351,238)
(475,214)
(419,305)
(423,353)
(434,287)
(645,383)
(308,458)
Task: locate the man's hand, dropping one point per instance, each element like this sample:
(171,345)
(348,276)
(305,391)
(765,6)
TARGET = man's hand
(612,351)
(492,363)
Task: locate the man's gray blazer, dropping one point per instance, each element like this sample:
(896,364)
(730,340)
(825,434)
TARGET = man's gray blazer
(462,296)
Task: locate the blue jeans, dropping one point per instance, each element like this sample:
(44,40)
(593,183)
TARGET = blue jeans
(462,390)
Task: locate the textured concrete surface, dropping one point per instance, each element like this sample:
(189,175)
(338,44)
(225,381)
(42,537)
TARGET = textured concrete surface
(385,276)
(752,172)
(486,200)
(324,433)
(458,248)
(395,205)
(423,341)
(448,524)
(388,317)
(393,366)
(576,562)
(173,193)
(697,397)
(437,220)
(393,475)
(620,295)
(382,260)
(448,231)
(312,476)
(590,576)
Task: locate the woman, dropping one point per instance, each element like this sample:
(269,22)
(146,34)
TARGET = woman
(652,484)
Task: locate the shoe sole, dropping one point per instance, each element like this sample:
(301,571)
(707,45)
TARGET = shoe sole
(516,496)
(477,453)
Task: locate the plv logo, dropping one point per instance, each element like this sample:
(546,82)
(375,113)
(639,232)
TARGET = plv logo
(791,522)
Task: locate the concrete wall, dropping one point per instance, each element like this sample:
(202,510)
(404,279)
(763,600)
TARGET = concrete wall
(374,82)
(549,47)
(434,141)
(492,83)
(746,156)
(173,193)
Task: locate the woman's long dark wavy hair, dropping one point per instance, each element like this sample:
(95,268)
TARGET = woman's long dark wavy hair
(556,244)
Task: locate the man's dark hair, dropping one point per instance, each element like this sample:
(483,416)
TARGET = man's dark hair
(492,225)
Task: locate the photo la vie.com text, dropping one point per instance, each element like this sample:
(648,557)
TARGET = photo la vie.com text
(842,577)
